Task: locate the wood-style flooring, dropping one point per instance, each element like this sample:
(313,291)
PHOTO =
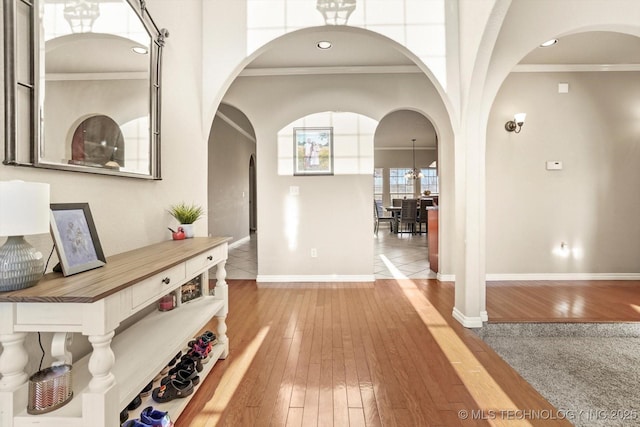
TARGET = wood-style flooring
(386,353)
(564,301)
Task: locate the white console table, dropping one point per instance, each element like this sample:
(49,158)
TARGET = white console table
(94,303)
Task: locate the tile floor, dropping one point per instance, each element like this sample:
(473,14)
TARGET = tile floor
(396,256)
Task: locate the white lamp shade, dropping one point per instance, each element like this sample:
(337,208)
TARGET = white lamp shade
(519,117)
(24,208)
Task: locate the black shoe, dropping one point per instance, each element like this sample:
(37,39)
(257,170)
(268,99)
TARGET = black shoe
(137,401)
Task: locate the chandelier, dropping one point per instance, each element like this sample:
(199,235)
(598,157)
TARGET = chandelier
(414,173)
(336,12)
(81,14)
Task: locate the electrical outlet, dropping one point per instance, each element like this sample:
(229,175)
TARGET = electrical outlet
(314,253)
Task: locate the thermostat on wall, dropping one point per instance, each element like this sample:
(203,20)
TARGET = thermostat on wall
(554,165)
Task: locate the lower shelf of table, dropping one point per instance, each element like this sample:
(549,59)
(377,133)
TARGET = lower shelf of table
(176,406)
(141,351)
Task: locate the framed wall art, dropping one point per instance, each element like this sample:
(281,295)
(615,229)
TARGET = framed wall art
(75,237)
(313,151)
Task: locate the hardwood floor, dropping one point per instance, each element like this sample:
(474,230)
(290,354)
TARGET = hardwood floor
(564,301)
(381,354)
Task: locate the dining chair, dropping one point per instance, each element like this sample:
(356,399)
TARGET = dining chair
(378,217)
(422,214)
(408,215)
(396,203)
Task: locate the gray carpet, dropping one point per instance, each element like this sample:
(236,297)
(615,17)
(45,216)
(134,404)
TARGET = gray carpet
(589,371)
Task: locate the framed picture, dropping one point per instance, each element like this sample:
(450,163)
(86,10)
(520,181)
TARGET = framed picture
(75,237)
(313,151)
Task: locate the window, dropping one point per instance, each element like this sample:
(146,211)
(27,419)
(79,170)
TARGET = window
(429,180)
(399,186)
(377,184)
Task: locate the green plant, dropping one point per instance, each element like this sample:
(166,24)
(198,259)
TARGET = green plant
(186,214)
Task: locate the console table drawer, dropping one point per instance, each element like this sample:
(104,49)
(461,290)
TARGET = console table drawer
(156,286)
(206,260)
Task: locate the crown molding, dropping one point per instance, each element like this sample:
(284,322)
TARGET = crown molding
(573,68)
(293,71)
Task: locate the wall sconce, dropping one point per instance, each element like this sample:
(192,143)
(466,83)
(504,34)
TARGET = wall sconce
(515,125)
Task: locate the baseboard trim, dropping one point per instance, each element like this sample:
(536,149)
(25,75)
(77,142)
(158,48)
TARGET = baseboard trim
(269,278)
(548,276)
(484,316)
(446,277)
(239,242)
(563,276)
(466,321)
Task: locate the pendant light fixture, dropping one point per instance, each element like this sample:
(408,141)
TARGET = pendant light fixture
(414,173)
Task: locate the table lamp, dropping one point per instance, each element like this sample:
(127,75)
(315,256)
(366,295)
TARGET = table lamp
(24,210)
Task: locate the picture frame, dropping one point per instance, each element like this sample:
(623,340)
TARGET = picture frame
(75,237)
(313,151)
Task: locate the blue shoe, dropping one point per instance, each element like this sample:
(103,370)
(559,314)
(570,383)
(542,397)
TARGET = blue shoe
(134,423)
(155,418)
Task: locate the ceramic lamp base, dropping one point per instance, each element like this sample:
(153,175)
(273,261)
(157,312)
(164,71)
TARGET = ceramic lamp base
(21,266)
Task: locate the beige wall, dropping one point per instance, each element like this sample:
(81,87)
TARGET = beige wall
(228,184)
(592,204)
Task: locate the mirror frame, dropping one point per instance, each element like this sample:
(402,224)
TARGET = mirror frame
(11,85)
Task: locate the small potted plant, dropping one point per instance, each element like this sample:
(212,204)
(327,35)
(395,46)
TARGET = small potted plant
(186,215)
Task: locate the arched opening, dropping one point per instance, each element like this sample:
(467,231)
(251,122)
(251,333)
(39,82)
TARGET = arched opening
(405,142)
(273,90)
(572,166)
(98,141)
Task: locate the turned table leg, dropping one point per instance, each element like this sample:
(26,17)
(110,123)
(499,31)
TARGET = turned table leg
(13,359)
(101,362)
(222,291)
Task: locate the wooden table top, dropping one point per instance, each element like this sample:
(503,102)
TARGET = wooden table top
(120,271)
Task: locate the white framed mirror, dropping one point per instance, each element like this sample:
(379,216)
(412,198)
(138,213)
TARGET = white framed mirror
(83,86)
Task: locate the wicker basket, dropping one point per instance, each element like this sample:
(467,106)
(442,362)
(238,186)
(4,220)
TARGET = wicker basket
(49,389)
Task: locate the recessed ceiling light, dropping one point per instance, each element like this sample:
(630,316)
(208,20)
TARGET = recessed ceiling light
(141,50)
(549,43)
(324,44)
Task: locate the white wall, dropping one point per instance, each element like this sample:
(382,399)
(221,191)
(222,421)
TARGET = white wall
(592,204)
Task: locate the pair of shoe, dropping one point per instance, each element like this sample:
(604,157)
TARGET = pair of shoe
(201,346)
(150,417)
(172,389)
(189,373)
(171,363)
(188,362)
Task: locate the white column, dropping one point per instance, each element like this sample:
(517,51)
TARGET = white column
(470,287)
